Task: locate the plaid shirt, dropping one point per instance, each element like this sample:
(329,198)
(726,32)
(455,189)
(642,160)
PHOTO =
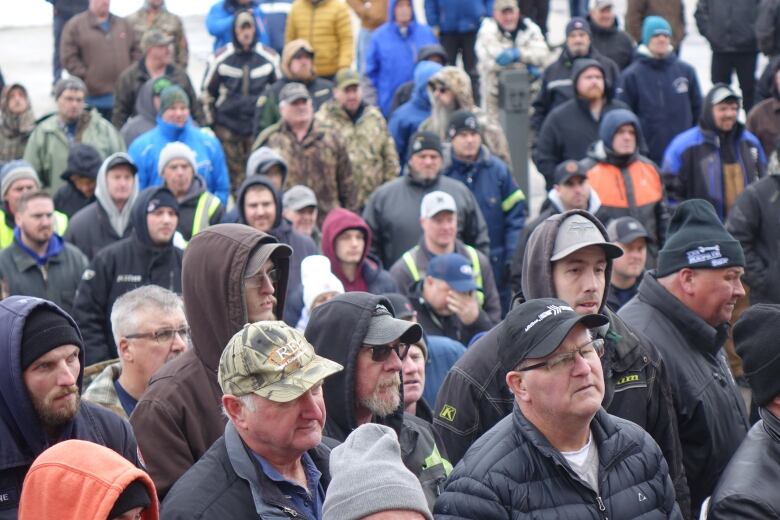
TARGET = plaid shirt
(101,391)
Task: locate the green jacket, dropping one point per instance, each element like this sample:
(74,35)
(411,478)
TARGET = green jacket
(47,149)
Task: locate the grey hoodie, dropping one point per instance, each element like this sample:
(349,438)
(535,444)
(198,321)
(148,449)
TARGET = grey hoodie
(118,218)
(145,117)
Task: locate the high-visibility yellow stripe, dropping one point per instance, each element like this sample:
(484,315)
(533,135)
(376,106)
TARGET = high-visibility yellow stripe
(435,458)
(509,202)
(477,274)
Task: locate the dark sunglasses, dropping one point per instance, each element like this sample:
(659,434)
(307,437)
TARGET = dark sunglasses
(380,353)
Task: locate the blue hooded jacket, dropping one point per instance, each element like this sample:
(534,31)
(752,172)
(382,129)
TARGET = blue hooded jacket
(219,22)
(209,155)
(408,117)
(22,436)
(457,15)
(391,55)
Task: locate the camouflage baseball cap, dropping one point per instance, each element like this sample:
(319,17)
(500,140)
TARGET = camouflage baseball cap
(273,360)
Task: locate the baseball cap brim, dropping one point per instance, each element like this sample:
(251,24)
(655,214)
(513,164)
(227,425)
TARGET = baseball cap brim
(463,286)
(723,94)
(385,329)
(633,235)
(299,382)
(119,161)
(263,253)
(553,340)
(611,250)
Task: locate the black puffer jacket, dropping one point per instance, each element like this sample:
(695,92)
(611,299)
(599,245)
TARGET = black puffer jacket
(729,26)
(710,412)
(336,330)
(513,472)
(636,384)
(748,488)
(117,269)
(613,43)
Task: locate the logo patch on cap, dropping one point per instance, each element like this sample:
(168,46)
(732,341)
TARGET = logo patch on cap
(466,269)
(571,166)
(704,254)
(552,310)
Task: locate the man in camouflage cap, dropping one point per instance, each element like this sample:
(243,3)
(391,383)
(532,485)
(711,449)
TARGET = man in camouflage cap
(271,381)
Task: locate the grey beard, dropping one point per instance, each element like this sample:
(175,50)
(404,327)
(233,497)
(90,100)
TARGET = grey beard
(440,115)
(383,407)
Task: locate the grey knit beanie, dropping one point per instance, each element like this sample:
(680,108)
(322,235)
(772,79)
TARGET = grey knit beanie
(15,170)
(176,150)
(368,476)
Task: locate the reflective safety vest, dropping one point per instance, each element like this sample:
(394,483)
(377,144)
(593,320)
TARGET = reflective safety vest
(7,233)
(207,205)
(412,266)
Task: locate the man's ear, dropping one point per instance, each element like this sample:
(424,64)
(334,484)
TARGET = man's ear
(233,409)
(517,385)
(123,349)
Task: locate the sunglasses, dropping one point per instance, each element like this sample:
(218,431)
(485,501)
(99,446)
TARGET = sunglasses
(380,353)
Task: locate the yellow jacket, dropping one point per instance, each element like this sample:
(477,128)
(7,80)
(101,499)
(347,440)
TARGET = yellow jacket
(327,25)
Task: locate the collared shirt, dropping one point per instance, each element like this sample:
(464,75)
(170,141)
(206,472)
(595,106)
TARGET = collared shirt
(304,500)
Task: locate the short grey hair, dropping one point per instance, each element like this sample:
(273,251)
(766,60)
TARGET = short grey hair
(124,313)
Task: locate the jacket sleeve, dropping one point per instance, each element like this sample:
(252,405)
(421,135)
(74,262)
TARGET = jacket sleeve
(347,191)
(195,104)
(162,444)
(400,134)
(218,21)
(219,181)
(492,304)
(468,498)
(373,64)
(392,164)
(627,92)
(744,222)
(290,31)
(32,154)
(534,50)
(115,142)
(674,172)
(635,14)
(475,230)
(135,45)
(702,16)
(136,152)
(694,91)
(90,307)
(541,105)
(345,38)
(548,153)
(742,507)
(489,45)
(70,55)
(124,101)
(432,12)
(662,218)
(513,205)
(373,217)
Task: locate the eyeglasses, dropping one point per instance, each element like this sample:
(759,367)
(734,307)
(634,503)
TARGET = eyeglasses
(380,353)
(164,337)
(257,280)
(589,352)
(440,89)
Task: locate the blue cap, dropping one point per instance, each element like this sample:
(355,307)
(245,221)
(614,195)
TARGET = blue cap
(454,269)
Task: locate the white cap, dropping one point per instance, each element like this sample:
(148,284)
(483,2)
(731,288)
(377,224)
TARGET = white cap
(317,279)
(435,202)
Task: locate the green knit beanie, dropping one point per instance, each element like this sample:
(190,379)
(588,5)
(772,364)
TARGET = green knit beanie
(698,240)
(172,94)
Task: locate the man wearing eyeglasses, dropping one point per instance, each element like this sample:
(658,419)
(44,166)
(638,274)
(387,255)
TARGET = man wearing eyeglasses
(149,329)
(559,453)
(359,331)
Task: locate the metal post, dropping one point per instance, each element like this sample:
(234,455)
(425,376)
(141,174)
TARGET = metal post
(514,101)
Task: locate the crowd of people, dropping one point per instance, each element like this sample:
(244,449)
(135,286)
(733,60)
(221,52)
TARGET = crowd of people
(311,287)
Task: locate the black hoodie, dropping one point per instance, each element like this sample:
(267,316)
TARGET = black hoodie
(117,269)
(336,330)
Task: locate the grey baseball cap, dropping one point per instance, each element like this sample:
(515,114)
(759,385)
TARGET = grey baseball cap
(293,92)
(299,197)
(384,329)
(576,232)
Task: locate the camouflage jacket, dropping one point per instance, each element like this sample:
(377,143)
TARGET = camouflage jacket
(459,82)
(168,23)
(370,147)
(320,161)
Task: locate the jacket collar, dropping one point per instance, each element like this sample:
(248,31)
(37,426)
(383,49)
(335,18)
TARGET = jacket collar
(771,423)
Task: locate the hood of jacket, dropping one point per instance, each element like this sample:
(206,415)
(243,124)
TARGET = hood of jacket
(287,55)
(391,12)
(262,159)
(456,79)
(594,202)
(118,219)
(258,180)
(707,120)
(96,475)
(338,221)
(138,215)
(602,150)
(144,102)
(236,44)
(22,436)
(17,123)
(423,72)
(584,63)
(537,269)
(234,5)
(336,330)
(643,53)
(212,278)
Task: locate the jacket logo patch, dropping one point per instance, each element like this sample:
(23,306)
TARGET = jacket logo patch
(642,498)
(552,310)
(88,275)
(448,413)
(128,278)
(704,254)
(629,381)
(680,85)
(9,498)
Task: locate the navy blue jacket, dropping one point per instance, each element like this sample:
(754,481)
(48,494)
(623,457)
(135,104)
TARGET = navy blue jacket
(664,93)
(22,437)
(391,55)
(501,201)
(692,165)
(459,16)
(408,117)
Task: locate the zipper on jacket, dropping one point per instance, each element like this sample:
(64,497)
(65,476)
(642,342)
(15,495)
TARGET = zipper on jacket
(290,511)
(602,507)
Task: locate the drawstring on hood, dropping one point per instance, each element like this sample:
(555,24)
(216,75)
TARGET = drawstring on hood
(119,220)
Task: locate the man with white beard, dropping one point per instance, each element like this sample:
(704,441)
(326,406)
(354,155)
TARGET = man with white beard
(359,331)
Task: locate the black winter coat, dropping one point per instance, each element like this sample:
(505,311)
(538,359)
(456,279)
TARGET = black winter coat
(754,222)
(557,85)
(710,411)
(748,488)
(69,200)
(90,230)
(729,26)
(227,482)
(613,43)
(513,472)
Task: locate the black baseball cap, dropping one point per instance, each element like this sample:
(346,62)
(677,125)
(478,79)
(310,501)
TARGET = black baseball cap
(536,328)
(626,229)
(568,169)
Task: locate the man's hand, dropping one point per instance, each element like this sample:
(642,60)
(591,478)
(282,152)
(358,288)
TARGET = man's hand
(464,306)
